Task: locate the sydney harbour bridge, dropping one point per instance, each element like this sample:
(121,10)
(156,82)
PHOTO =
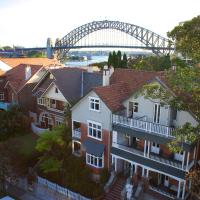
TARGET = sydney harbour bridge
(107,34)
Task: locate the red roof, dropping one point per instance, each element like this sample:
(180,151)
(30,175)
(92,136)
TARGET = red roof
(123,83)
(13,62)
(16,76)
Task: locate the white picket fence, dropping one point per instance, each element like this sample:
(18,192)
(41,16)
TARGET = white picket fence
(68,193)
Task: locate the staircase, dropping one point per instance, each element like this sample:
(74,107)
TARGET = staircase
(115,191)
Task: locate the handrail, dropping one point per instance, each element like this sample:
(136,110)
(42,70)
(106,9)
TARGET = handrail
(143,125)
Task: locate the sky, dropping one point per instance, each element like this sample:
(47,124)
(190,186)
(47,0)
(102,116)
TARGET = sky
(29,23)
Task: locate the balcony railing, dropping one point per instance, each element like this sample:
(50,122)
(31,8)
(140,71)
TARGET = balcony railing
(76,133)
(4,105)
(55,110)
(146,126)
(153,157)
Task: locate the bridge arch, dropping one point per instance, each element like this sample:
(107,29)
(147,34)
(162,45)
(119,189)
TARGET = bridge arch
(158,44)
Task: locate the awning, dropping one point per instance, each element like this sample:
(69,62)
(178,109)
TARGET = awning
(94,148)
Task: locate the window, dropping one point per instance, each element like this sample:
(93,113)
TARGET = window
(94,130)
(135,107)
(94,104)
(41,101)
(1,96)
(155,148)
(95,161)
(155,145)
(56,90)
(59,121)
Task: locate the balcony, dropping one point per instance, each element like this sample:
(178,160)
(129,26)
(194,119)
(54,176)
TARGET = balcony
(152,157)
(4,105)
(76,133)
(144,126)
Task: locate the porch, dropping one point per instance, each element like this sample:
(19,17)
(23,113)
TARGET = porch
(149,179)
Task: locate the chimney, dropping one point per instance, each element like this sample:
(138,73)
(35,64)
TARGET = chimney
(28,72)
(107,72)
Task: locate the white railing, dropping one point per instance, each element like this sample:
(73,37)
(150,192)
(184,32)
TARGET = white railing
(76,133)
(59,189)
(56,110)
(162,192)
(151,156)
(37,130)
(143,125)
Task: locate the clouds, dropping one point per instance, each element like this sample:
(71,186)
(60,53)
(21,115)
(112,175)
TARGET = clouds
(30,22)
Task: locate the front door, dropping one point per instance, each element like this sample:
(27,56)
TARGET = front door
(156,117)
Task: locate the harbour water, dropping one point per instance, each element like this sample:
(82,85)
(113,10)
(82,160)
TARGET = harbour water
(94,59)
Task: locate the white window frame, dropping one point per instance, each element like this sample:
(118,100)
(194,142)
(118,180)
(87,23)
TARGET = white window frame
(97,129)
(135,105)
(2,97)
(59,121)
(179,156)
(41,101)
(155,148)
(93,100)
(90,160)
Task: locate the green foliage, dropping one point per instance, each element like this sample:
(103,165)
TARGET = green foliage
(151,63)
(184,95)
(187,39)
(35,54)
(51,164)
(13,122)
(115,60)
(50,140)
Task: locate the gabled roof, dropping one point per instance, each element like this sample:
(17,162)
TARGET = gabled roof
(113,95)
(16,76)
(72,82)
(123,83)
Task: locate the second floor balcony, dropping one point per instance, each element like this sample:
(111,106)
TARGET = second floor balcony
(142,125)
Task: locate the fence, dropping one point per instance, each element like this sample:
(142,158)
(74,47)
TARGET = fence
(68,193)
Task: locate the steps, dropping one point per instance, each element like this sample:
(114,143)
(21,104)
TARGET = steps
(115,191)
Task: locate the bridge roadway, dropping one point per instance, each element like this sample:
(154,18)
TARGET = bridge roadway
(92,46)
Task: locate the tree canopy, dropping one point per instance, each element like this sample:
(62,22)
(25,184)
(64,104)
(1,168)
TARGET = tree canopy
(117,60)
(187,38)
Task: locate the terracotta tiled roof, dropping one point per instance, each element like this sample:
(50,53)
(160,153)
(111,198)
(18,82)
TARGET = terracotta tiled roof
(1,72)
(13,62)
(123,83)
(16,76)
(113,95)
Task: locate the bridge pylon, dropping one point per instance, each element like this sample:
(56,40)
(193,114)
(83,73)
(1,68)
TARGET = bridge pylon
(49,48)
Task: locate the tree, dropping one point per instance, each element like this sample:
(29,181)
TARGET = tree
(119,58)
(124,61)
(116,61)
(187,36)
(55,147)
(110,59)
(13,122)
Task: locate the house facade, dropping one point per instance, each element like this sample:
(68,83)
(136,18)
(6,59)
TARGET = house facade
(58,90)
(13,81)
(130,133)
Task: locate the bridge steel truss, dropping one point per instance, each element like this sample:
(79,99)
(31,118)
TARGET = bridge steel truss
(158,44)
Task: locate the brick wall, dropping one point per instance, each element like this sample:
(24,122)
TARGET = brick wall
(105,140)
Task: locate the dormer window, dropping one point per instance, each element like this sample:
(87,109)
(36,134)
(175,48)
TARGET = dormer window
(94,104)
(56,90)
